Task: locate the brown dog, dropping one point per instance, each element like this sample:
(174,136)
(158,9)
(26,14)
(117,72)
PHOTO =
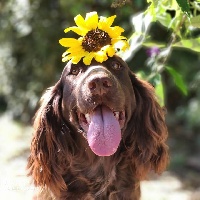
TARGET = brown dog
(98,132)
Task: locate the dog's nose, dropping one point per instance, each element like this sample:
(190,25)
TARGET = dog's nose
(100,85)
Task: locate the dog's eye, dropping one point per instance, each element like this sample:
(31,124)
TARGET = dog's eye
(116,65)
(75,71)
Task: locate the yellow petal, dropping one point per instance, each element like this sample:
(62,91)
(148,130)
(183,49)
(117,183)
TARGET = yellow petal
(76,50)
(121,44)
(120,38)
(76,59)
(68,42)
(88,58)
(80,22)
(65,59)
(91,20)
(105,22)
(77,30)
(65,53)
(101,56)
(115,31)
(110,51)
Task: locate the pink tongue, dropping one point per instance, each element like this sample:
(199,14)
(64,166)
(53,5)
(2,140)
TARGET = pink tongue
(104,132)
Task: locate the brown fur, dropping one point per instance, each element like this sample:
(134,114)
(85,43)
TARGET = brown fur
(61,162)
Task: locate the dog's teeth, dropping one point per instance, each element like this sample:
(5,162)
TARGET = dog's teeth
(87,116)
(116,114)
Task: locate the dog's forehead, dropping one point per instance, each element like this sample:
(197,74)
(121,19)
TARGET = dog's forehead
(94,64)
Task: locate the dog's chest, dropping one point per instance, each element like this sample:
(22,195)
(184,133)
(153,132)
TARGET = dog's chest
(103,178)
(97,178)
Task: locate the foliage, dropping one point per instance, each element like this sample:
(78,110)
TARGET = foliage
(181,19)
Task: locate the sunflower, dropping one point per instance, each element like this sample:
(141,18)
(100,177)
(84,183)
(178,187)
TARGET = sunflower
(97,39)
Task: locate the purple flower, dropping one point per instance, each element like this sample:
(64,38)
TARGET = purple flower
(153,51)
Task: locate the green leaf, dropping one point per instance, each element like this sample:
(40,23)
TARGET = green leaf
(178,80)
(192,44)
(156,81)
(195,21)
(184,5)
(152,11)
(141,75)
(160,93)
(164,19)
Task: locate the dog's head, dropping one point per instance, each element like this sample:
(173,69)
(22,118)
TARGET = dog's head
(98,99)
(106,106)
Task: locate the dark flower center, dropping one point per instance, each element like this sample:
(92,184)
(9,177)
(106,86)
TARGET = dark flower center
(95,39)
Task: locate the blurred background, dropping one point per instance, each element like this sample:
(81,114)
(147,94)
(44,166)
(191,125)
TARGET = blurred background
(30,62)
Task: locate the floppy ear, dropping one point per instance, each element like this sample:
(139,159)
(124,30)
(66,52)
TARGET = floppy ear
(47,142)
(149,132)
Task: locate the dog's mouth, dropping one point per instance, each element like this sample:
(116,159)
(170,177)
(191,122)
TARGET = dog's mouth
(102,127)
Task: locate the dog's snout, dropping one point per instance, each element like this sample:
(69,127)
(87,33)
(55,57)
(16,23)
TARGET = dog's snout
(100,85)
